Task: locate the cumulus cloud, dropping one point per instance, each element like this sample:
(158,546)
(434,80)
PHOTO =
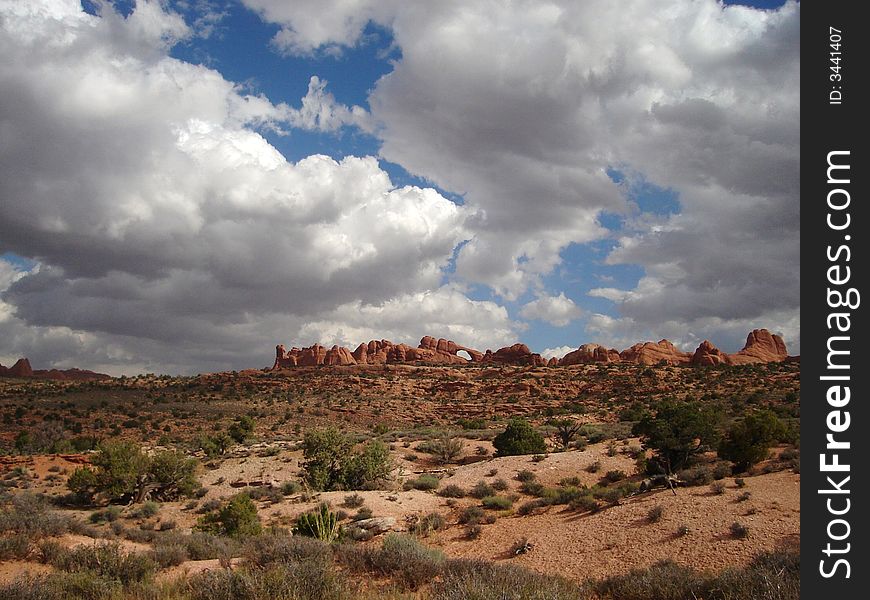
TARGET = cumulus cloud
(523,109)
(555,310)
(170,234)
(321,112)
(558,352)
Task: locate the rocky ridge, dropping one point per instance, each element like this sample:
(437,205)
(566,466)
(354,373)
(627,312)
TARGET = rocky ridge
(761,347)
(22,369)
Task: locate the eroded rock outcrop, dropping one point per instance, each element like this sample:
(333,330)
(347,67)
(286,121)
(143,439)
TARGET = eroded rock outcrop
(22,369)
(652,353)
(761,346)
(590,353)
(708,355)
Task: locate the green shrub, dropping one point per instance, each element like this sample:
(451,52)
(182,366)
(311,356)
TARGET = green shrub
(471,515)
(329,463)
(353,501)
(584,503)
(424,482)
(105,560)
(500,485)
(481,490)
(123,472)
(677,431)
(263,551)
(519,438)
(241,429)
(452,491)
(526,475)
(446,449)
(307,580)
(664,580)
(497,502)
(466,579)
(748,441)
(409,561)
(238,518)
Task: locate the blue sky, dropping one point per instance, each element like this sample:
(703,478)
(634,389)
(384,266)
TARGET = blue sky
(564,188)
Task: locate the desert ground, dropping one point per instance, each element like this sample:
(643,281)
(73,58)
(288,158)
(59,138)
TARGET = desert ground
(713,520)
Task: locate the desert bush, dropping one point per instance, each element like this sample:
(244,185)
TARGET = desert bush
(25,522)
(407,560)
(717,488)
(363,513)
(677,431)
(664,580)
(500,485)
(471,515)
(61,586)
(527,508)
(169,555)
(329,462)
(302,581)
(533,488)
(433,521)
(497,502)
(446,449)
(738,530)
(452,491)
(526,475)
(584,503)
(424,482)
(739,482)
(565,431)
(481,490)
(203,546)
(263,551)
(654,515)
(466,579)
(237,518)
(241,429)
(123,472)
(105,560)
(614,476)
(288,488)
(321,524)
(594,467)
(748,441)
(108,515)
(353,501)
(519,438)
(146,511)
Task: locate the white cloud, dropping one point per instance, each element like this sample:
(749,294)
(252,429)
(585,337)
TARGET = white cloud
(171,235)
(522,109)
(555,310)
(558,352)
(321,112)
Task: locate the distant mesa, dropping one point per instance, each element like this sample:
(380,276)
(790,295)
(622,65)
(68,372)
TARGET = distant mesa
(22,369)
(761,347)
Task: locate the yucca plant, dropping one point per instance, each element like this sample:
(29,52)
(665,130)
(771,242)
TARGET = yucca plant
(321,524)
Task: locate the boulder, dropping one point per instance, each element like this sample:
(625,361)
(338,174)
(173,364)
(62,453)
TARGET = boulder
(377,525)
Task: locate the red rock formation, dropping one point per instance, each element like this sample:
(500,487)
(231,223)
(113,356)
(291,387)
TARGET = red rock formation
(761,347)
(553,362)
(338,355)
(652,353)
(22,368)
(590,353)
(708,355)
(518,354)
